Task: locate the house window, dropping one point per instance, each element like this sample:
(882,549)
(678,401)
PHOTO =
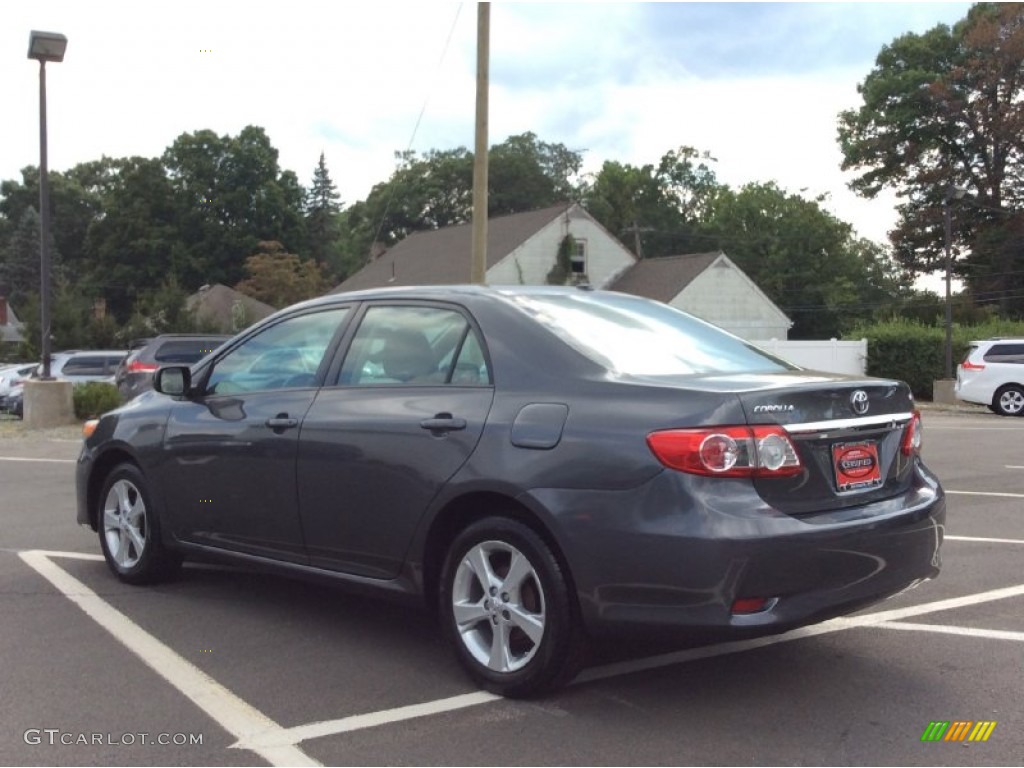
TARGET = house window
(578,257)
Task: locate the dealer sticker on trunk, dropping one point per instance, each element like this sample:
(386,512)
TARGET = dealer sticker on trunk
(856,466)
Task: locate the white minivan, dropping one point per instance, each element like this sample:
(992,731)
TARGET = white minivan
(992,374)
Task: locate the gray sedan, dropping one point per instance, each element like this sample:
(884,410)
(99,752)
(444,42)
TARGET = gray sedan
(541,466)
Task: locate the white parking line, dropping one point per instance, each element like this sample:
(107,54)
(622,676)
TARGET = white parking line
(279,746)
(371,720)
(986,493)
(52,461)
(235,716)
(992,634)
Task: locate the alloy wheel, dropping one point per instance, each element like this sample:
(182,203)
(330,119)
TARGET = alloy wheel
(498,606)
(124,523)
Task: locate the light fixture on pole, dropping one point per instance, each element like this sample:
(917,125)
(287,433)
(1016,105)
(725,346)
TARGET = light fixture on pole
(44,47)
(953,193)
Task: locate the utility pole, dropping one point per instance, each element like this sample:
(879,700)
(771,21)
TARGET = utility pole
(478,270)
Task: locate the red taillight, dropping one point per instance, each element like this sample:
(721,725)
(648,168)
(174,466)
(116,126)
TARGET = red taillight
(912,435)
(751,604)
(967,365)
(136,367)
(760,451)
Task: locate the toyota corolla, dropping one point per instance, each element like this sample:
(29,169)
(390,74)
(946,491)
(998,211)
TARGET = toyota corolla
(541,466)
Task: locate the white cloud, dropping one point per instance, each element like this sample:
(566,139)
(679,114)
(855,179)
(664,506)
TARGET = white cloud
(759,88)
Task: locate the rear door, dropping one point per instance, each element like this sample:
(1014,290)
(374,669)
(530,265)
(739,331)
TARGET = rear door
(404,413)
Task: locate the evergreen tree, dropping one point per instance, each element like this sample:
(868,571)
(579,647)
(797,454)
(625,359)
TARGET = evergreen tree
(322,209)
(19,261)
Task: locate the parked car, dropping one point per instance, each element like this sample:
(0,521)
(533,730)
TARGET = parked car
(14,401)
(10,378)
(135,374)
(992,374)
(79,366)
(541,465)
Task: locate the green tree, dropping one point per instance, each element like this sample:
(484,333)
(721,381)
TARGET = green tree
(945,109)
(322,209)
(19,259)
(657,210)
(805,259)
(436,190)
(137,243)
(230,194)
(525,174)
(279,278)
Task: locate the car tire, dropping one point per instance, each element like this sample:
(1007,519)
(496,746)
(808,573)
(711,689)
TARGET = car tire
(129,529)
(508,609)
(1009,400)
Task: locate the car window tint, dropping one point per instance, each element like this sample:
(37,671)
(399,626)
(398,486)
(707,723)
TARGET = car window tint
(286,354)
(404,346)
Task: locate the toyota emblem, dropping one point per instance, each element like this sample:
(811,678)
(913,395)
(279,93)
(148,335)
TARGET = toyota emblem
(859,402)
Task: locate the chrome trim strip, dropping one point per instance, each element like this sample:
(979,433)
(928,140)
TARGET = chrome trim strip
(862,421)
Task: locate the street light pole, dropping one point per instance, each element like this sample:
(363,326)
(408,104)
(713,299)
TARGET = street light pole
(953,193)
(44,47)
(947,221)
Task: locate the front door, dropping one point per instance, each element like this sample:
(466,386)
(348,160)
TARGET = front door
(231,449)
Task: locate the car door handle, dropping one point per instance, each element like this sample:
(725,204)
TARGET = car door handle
(443,423)
(281,422)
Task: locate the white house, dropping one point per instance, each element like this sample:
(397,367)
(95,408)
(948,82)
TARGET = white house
(522,249)
(712,287)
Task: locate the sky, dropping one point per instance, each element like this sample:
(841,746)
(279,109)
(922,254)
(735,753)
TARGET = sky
(757,85)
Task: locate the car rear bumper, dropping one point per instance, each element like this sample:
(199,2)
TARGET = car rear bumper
(643,558)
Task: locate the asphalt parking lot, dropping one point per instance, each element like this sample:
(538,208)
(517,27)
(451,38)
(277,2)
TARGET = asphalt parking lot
(230,667)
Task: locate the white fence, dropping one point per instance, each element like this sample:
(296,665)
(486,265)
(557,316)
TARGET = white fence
(833,356)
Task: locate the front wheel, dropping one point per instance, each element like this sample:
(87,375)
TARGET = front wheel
(1009,401)
(130,530)
(508,610)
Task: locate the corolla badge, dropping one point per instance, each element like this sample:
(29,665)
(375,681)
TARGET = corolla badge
(773,408)
(859,402)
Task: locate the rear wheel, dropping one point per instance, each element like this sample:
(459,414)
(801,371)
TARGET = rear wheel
(130,530)
(1009,400)
(508,610)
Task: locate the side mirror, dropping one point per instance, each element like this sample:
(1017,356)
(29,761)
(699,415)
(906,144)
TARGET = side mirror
(174,380)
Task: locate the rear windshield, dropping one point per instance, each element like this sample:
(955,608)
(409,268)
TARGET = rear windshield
(638,337)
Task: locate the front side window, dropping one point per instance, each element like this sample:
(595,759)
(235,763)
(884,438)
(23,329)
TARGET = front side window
(414,345)
(637,337)
(287,354)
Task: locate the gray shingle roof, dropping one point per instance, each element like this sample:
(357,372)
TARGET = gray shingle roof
(215,303)
(443,256)
(662,279)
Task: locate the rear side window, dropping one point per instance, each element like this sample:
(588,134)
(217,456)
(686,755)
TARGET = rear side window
(85,365)
(414,346)
(1005,353)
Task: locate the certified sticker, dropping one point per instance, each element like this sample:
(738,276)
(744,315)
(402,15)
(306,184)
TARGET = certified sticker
(856,466)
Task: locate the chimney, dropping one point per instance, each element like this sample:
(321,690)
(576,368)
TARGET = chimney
(3,310)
